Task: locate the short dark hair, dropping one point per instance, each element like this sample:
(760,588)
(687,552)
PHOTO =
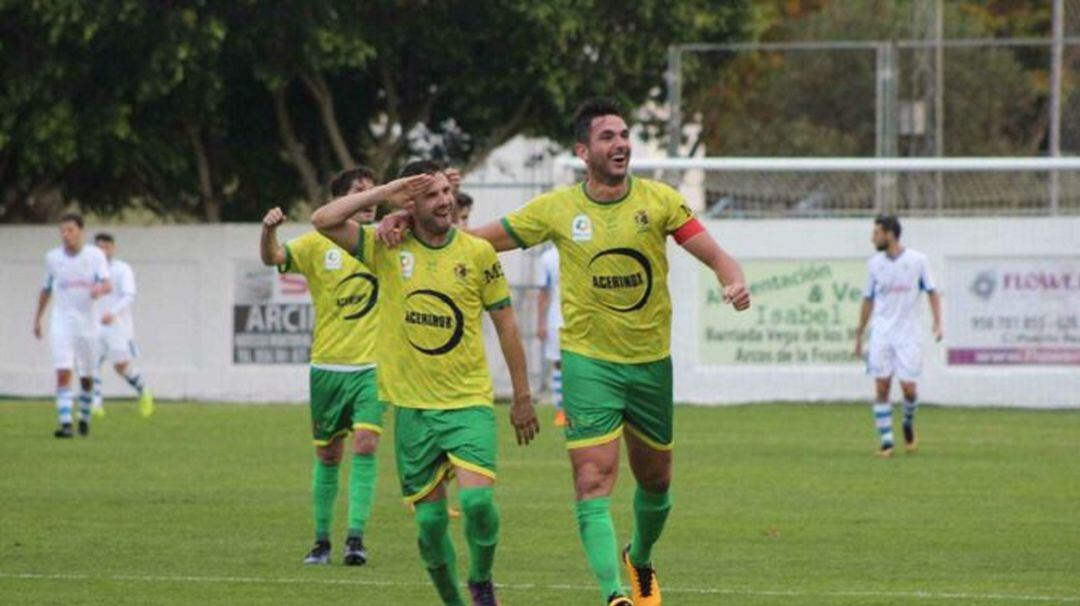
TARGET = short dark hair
(888,223)
(104,237)
(75,218)
(340,184)
(463,199)
(420,167)
(590,110)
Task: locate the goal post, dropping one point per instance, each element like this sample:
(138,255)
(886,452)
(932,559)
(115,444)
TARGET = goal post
(788,187)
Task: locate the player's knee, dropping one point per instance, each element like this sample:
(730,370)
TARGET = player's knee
(594,480)
(365,442)
(656,483)
(329,455)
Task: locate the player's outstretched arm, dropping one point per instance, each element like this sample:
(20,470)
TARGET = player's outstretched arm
(522,413)
(728,271)
(495,233)
(334,220)
(270,250)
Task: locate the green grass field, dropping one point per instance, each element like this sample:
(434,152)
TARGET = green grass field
(779,504)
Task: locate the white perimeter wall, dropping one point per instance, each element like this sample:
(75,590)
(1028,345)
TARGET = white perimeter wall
(186,281)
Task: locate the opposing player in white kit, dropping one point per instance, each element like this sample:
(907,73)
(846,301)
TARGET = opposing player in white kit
(897,276)
(549,321)
(117,341)
(76,276)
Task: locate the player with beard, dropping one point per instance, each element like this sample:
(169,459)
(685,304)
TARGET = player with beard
(432,366)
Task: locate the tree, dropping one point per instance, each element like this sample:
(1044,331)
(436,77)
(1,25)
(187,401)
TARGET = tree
(212,110)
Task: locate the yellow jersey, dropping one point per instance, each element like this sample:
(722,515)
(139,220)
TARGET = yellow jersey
(431,344)
(344,293)
(613,266)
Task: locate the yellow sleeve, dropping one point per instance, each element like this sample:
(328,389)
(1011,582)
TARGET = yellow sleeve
(677,213)
(530,224)
(296,255)
(494,289)
(365,245)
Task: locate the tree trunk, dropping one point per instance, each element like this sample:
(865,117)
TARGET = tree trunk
(501,135)
(211,206)
(294,148)
(324,100)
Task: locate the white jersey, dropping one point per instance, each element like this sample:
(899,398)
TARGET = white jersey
(119,301)
(894,285)
(549,281)
(69,278)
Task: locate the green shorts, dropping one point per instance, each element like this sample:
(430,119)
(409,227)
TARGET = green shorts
(342,401)
(601,398)
(427,443)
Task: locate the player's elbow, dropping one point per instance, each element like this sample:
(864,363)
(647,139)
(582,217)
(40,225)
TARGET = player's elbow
(323,220)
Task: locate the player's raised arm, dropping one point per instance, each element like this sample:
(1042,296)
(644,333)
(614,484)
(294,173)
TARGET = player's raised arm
(334,222)
(270,250)
(522,413)
(728,271)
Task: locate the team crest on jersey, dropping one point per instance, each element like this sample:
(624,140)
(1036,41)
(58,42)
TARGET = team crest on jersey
(641,219)
(461,271)
(581,229)
(332,259)
(408,264)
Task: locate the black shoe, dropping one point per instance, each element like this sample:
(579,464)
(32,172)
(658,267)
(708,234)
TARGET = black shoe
(911,441)
(355,554)
(84,428)
(319,554)
(64,431)
(483,594)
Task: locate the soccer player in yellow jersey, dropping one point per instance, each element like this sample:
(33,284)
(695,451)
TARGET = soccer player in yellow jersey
(344,394)
(611,233)
(432,367)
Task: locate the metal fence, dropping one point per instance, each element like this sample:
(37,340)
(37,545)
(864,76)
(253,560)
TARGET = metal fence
(930,96)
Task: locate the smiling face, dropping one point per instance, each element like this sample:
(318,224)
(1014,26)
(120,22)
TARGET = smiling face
(434,211)
(607,151)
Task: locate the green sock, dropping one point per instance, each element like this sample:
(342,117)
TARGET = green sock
(650,512)
(361,492)
(324,485)
(437,550)
(598,536)
(481,530)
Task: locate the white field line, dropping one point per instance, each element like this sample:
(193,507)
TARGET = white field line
(932,595)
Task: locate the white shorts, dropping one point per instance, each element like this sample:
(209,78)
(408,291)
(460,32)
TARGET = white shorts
(116,346)
(551,346)
(74,352)
(900,359)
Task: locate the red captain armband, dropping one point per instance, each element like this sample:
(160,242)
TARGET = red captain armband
(689,229)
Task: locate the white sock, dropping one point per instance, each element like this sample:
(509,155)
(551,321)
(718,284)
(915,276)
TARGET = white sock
(883,422)
(64,400)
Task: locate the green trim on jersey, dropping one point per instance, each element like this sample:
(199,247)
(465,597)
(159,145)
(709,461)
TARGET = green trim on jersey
(629,189)
(449,240)
(513,234)
(498,304)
